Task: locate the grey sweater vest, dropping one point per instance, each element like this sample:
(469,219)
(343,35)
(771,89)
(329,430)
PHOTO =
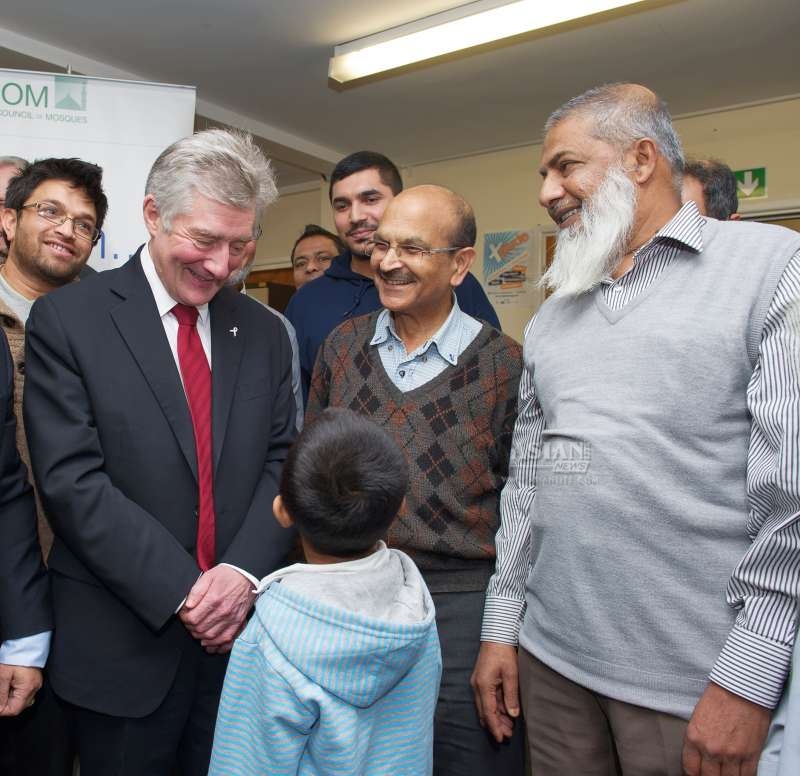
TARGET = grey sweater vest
(640,509)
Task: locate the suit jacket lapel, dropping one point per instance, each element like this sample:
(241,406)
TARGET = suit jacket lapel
(137,320)
(227,342)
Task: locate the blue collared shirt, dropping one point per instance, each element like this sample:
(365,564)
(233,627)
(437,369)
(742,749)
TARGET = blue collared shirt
(26,651)
(411,370)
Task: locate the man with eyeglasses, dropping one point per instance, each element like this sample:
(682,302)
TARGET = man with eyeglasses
(362,186)
(444,385)
(313,252)
(159,412)
(53,212)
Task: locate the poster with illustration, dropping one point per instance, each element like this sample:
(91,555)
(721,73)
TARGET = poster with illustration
(507,262)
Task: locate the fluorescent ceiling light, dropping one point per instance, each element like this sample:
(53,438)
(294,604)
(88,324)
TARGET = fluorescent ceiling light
(461,28)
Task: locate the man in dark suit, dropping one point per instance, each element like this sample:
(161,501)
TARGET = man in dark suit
(159,411)
(25,616)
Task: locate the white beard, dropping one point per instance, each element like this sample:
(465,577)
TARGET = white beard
(590,249)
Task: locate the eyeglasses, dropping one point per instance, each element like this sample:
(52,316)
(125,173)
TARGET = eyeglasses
(380,248)
(55,214)
(236,248)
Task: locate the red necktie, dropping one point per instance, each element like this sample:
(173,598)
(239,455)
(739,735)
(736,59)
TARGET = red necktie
(197,384)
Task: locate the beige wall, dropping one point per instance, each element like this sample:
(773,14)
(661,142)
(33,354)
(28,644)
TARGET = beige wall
(764,136)
(503,185)
(282,224)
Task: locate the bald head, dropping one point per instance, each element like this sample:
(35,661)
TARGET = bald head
(622,113)
(450,215)
(608,96)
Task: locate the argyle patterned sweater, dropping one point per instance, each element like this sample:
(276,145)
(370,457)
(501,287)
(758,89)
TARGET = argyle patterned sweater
(456,433)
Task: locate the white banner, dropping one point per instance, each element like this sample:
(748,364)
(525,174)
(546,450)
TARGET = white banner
(120,125)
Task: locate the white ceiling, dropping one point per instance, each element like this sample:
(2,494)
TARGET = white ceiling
(262,65)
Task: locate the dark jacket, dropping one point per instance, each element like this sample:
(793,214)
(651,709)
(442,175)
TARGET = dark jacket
(24,587)
(113,451)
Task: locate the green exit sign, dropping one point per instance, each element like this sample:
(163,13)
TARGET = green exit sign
(752,183)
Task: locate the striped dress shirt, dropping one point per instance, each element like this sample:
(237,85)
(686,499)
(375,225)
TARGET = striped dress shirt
(765,585)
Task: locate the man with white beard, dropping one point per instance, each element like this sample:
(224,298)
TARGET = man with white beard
(655,452)
(589,248)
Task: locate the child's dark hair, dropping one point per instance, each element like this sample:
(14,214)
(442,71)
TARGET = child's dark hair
(343,483)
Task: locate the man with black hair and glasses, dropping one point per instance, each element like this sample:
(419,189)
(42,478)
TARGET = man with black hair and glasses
(313,252)
(54,210)
(362,186)
(53,214)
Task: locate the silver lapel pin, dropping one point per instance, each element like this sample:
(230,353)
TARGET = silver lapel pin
(234,330)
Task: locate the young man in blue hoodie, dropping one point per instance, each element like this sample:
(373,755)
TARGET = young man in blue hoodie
(362,186)
(337,673)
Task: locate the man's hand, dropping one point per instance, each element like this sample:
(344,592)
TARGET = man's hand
(495,684)
(216,607)
(725,735)
(18,686)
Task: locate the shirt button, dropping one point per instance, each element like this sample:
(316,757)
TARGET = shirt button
(402,373)
(391,347)
(424,359)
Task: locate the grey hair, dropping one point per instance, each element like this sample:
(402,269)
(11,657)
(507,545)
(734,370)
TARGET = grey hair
(15,161)
(623,113)
(225,166)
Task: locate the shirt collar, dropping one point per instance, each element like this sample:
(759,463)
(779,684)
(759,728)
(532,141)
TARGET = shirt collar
(684,228)
(447,339)
(164,302)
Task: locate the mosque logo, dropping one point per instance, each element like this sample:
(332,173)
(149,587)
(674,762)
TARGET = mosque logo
(70,93)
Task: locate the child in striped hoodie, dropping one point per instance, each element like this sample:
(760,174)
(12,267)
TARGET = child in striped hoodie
(337,672)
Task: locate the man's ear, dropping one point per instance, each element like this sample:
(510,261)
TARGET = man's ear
(152,218)
(462,259)
(735,217)
(281,515)
(8,218)
(641,160)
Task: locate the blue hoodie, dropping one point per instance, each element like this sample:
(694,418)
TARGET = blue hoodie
(336,674)
(320,306)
